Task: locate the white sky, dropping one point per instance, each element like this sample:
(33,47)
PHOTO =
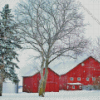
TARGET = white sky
(93,6)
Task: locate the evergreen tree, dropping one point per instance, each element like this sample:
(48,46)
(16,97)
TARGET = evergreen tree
(9,41)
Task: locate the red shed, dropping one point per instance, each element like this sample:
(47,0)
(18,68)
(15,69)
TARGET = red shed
(84,73)
(31,82)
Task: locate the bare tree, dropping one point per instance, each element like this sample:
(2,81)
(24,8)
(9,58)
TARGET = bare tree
(51,28)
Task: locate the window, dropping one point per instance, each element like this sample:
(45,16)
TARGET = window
(73,87)
(67,86)
(87,79)
(71,78)
(82,64)
(79,79)
(93,78)
(80,87)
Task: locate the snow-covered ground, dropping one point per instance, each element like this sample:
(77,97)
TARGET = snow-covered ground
(62,95)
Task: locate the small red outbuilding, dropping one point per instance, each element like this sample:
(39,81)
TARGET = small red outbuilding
(31,82)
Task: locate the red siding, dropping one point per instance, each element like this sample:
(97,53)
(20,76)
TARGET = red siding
(27,84)
(52,82)
(88,68)
(33,82)
(62,82)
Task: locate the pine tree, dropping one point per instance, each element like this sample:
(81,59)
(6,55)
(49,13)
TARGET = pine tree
(9,42)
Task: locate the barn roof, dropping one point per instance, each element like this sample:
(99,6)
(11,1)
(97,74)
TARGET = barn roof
(64,67)
(34,71)
(59,68)
(30,72)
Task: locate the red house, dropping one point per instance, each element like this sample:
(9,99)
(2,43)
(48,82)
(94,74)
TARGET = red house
(82,75)
(31,82)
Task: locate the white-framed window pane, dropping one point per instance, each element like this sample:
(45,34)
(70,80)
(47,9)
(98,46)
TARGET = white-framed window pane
(71,78)
(87,79)
(80,87)
(73,87)
(67,86)
(93,78)
(79,79)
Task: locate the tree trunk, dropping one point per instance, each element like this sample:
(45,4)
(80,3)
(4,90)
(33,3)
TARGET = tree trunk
(41,93)
(42,84)
(0,89)
(40,88)
(1,82)
(45,79)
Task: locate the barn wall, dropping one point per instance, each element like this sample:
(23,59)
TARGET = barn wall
(35,84)
(87,69)
(52,81)
(56,83)
(28,84)
(62,82)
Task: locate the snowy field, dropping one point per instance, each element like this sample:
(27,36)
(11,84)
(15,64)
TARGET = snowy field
(62,95)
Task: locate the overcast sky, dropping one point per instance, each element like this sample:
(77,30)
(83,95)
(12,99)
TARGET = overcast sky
(93,6)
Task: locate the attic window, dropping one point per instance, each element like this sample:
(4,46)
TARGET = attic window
(71,78)
(82,64)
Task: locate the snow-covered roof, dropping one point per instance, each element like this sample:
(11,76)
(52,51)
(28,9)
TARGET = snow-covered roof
(74,83)
(30,68)
(60,68)
(31,72)
(64,67)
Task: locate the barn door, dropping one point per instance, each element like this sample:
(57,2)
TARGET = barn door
(35,83)
(51,84)
(56,84)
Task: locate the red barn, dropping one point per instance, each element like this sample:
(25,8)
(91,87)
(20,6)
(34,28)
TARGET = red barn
(31,82)
(82,75)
